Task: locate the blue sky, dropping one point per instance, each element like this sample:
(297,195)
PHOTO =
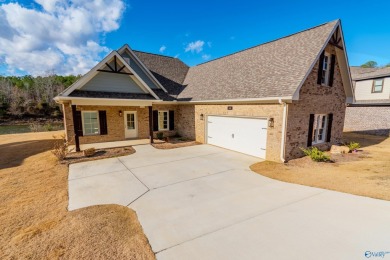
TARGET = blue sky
(193,31)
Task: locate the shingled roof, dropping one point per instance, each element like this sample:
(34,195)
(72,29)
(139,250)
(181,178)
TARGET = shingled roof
(359,73)
(273,69)
(169,71)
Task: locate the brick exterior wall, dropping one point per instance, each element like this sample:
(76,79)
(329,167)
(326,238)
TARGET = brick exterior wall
(315,99)
(167,133)
(368,120)
(115,123)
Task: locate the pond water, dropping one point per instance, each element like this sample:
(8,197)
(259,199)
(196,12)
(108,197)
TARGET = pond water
(17,129)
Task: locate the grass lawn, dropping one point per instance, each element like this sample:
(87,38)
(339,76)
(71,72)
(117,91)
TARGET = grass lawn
(34,220)
(365,173)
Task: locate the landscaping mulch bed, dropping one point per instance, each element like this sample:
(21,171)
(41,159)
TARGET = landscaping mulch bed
(76,157)
(174,142)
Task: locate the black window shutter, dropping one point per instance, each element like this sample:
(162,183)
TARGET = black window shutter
(103,122)
(171,120)
(78,123)
(331,74)
(320,64)
(329,132)
(155,120)
(310,131)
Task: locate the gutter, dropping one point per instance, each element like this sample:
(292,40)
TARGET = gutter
(284,121)
(67,98)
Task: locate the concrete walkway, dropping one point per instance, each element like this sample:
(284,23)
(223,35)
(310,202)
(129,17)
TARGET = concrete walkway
(203,202)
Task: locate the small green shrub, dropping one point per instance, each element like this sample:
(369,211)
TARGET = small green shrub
(315,154)
(160,135)
(352,146)
(48,127)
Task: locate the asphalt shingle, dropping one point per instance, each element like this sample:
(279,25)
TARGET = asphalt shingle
(273,69)
(359,73)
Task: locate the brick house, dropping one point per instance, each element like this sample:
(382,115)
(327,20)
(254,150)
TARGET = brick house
(369,113)
(266,101)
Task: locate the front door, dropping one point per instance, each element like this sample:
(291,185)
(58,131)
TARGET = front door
(131,126)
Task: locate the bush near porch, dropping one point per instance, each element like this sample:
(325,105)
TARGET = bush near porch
(365,173)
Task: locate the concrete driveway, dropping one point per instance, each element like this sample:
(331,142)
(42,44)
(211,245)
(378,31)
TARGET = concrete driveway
(203,202)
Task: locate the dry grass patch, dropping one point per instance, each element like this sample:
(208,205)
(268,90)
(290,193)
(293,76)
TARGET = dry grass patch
(365,173)
(34,220)
(174,142)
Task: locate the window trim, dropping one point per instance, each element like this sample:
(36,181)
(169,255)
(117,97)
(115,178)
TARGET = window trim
(159,126)
(373,85)
(315,128)
(82,121)
(327,72)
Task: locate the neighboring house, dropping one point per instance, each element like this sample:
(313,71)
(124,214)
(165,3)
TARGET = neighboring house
(370,111)
(267,101)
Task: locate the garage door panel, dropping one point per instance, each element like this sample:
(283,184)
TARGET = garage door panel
(245,135)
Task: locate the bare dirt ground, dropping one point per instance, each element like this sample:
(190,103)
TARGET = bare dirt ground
(34,220)
(366,173)
(174,142)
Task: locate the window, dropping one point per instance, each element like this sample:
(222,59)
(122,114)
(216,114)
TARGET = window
(163,119)
(90,122)
(130,121)
(377,86)
(320,128)
(325,70)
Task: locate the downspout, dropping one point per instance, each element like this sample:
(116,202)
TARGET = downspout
(282,143)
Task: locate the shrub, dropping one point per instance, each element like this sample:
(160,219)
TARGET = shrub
(60,149)
(48,127)
(352,146)
(160,135)
(35,127)
(316,155)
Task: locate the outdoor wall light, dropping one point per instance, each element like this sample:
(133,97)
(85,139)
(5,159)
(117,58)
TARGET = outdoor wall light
(271,122)
(201,116)
(120,112)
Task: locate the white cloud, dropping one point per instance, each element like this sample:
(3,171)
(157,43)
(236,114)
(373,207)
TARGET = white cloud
(162,48)
(63,37)
(206,56)
(209,44)
(195,46)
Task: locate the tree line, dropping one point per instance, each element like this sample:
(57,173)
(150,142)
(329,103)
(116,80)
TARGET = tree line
(32,96)
(372,64)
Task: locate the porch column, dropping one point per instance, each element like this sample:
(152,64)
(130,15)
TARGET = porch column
(151,124)
(76,136)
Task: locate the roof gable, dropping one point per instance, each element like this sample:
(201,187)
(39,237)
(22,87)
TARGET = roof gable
(126,50)
(112,63)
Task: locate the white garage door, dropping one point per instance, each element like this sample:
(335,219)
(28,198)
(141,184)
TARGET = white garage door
(245,135)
